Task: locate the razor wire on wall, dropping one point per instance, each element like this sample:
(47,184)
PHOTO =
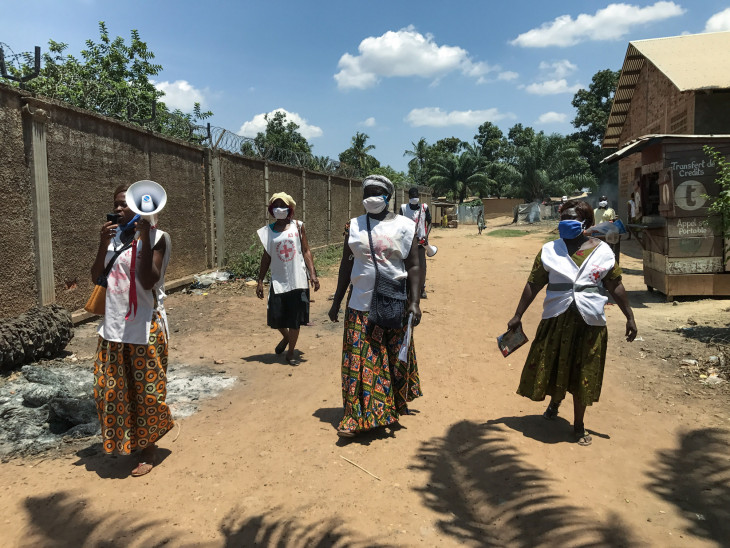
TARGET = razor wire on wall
(121,102)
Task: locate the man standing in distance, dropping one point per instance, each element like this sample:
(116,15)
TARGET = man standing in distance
(421,215)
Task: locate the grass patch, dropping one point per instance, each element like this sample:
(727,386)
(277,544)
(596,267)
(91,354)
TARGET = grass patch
(507,233)
(247,263)
(327,257)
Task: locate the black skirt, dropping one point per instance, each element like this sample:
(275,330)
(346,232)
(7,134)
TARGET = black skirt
(288,310)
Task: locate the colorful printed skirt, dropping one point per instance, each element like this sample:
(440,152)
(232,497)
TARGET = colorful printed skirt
(130,385)
(376,385)
(567,355)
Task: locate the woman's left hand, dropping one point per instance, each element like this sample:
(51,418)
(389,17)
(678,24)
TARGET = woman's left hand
(414,309)
(315,282)
(631,330)
(143,226)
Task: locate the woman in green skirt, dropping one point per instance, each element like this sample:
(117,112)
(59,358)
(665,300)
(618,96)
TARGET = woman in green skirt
(568,353)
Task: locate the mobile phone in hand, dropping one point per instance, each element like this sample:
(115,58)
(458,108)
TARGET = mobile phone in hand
(113,217)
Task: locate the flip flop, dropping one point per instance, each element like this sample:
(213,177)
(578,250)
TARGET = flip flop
(142,469)
(281,347)
(582,437)
(345,433)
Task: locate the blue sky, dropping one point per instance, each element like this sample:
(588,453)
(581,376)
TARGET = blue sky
(396,70)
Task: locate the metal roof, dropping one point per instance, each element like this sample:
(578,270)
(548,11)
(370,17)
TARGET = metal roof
(691,62)
(640,143)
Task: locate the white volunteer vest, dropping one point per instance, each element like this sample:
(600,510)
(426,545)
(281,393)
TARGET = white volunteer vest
(113,326)
(568,283)
(288,269)
(407,212)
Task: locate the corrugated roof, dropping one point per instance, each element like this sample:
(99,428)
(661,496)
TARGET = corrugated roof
(690,62)
(640,143)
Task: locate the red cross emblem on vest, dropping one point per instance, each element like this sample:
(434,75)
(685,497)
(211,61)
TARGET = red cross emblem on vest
(286,250)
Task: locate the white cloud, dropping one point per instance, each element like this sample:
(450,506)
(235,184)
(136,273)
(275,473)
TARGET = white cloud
(370,122)
(552,118)
(610,23)
(552,87)
(435,117)
(258,123)
(718,22)
(180,94)
(558,69)
(507,76)
(404,53)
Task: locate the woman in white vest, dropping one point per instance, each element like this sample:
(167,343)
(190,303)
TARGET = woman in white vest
(286,252)
(130,370)
(376,384)
(569,350)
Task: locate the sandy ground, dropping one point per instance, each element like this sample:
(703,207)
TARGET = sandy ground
(474,464)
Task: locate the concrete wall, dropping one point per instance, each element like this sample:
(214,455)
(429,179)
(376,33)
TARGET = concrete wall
(499,207)
(216,200)
(17,261)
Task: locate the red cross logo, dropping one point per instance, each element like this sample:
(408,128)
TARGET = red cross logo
(286,250)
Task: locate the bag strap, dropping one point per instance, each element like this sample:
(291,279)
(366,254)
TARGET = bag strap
(117,252)
(372,249)
(300,225)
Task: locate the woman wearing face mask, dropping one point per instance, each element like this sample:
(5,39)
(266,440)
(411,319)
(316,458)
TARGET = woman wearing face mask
(286,252)
(376,385)
(568,353)
(130,370)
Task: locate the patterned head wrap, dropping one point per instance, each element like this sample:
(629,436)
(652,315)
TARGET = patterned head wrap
(381,181)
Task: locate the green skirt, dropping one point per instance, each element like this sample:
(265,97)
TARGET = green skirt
(567,355)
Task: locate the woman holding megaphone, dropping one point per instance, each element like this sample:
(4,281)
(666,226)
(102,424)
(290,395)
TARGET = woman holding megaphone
(131,359)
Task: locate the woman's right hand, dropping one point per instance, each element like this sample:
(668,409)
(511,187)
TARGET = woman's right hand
(334,312)
(108,230)
(514,323)
(260,289)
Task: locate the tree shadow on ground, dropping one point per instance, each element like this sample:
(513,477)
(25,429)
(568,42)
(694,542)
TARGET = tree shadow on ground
(706,334)
(537,428)
(113,466)
(488,496)
(60,520)
(695,477)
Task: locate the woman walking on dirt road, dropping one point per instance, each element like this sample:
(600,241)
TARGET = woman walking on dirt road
(130,370)
(569,350)
(286,252)
(376,385)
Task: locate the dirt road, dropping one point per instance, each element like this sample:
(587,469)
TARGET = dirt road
(474,464)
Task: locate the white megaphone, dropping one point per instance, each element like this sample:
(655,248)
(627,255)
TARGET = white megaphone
(431,250)
(146,198)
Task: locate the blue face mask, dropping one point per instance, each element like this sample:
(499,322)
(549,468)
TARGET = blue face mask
(570,229)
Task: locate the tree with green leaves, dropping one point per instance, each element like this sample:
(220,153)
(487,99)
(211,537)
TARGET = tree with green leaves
(417,165)
(358,154)
(720,204)
(458,175)
(549,165)
(279,142)
(398,178)
(593,107)
(113,79)
(491,141)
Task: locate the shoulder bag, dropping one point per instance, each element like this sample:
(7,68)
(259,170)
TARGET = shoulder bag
(97,301)
(388,304)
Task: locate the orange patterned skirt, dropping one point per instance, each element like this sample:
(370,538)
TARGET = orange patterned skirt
(130,385)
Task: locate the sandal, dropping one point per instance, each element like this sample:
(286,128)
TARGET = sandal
(281,346)
(551,413)
(582,437)
(345,433)
(142,469)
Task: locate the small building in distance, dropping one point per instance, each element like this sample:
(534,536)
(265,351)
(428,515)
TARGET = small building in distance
(672,98)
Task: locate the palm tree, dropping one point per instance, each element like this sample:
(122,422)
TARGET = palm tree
(460,175)
(417,164)
(360,150)
(550,165)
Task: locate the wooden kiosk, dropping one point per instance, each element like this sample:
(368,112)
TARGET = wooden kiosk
(683,253)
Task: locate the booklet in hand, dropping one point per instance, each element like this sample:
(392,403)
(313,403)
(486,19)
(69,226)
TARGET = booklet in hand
(511,341)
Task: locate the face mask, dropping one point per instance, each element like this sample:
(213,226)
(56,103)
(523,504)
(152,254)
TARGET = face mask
(280,212)
(570,229)
(413,201)
(603,204)
(375,204)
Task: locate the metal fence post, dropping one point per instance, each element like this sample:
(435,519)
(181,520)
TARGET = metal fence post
(41,204)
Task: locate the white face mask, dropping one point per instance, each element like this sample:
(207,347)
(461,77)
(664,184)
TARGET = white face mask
(374,204)
(413,201)
(281,212)
(603,204)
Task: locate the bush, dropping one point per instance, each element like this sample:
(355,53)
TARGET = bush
(247,263)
